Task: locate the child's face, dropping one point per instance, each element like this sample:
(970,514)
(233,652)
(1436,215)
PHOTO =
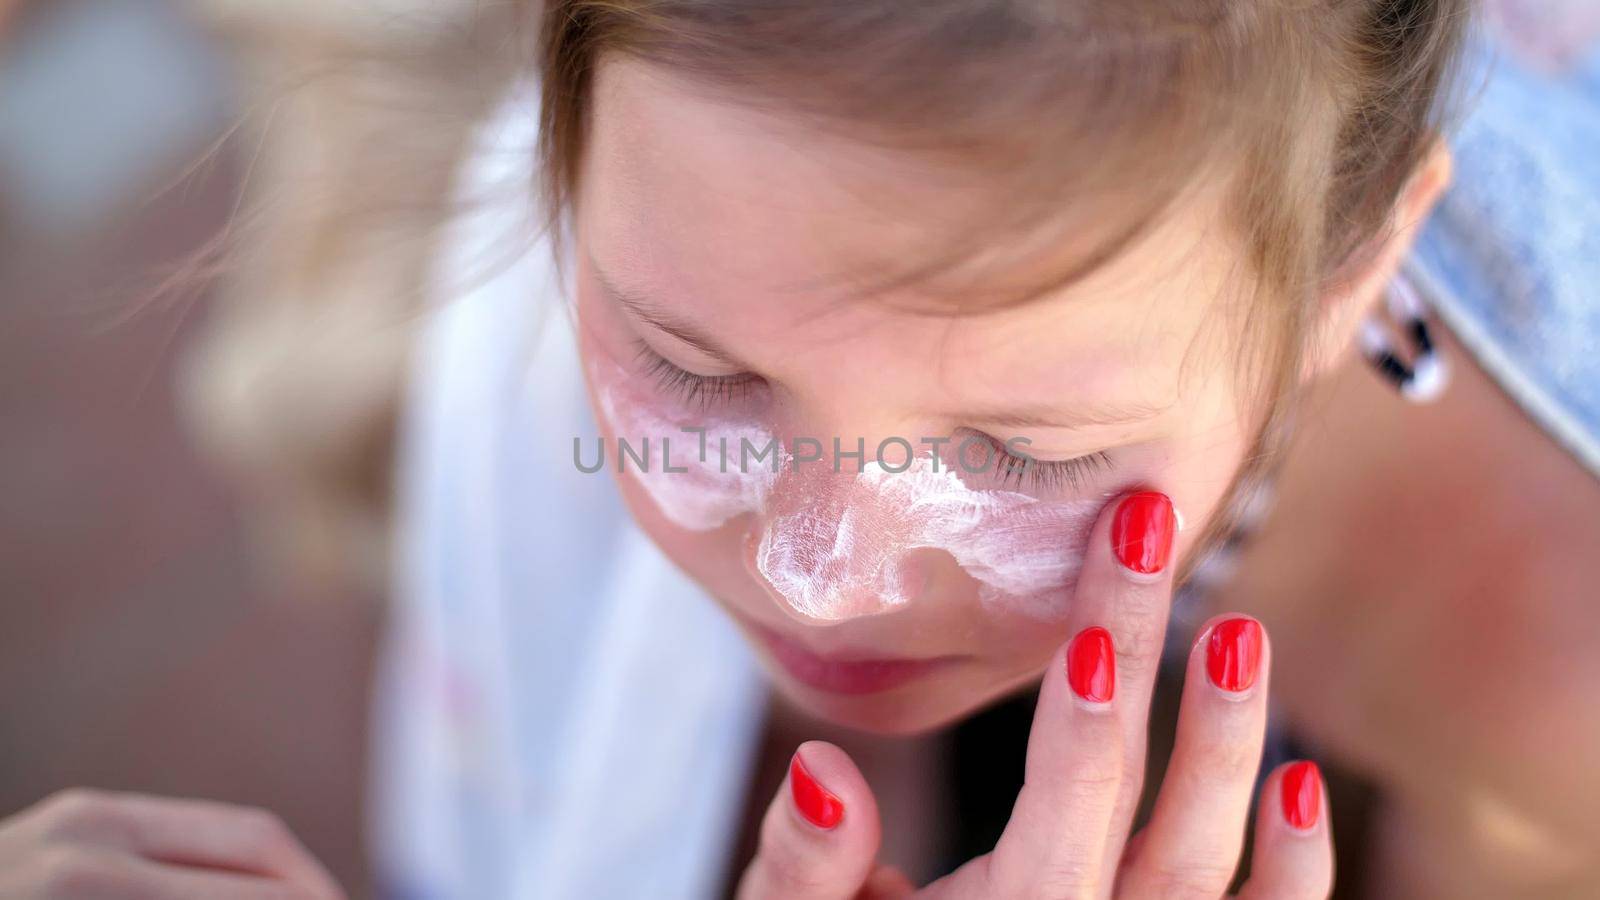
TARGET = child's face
(707,235)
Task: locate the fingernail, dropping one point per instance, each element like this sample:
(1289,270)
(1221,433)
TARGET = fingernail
(1233,654)
(819,807)
(1142,530)
(1302,795)
(1092,665)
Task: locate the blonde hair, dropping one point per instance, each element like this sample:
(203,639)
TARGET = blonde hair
(1318,110)
(355,118)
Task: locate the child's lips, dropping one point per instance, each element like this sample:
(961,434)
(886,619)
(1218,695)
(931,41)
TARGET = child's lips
(845,674)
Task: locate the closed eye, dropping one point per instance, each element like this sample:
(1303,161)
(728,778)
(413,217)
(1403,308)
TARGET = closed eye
(1016,469)
(1011,468)
(691,388)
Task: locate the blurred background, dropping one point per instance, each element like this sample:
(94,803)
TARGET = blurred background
(143,644)
(192,523)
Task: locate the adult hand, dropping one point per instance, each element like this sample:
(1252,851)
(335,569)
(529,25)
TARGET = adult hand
(1068,835)
(82,843)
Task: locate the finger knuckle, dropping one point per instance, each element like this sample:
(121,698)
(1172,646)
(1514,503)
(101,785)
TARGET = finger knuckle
(1094,776)
(265,831)
(1224,753)
(1063,881)
(1084,789)
(65,871)
(76,809)
(72,801)
(1144,607)
(1138,654)
(1195,879)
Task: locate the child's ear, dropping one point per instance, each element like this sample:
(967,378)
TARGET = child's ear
(1348,300)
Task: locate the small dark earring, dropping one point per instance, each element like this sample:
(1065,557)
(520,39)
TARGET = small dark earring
(1424,379)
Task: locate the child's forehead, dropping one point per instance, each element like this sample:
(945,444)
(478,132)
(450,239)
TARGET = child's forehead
(747,174)
(785,250)
(666,155)
(752,292)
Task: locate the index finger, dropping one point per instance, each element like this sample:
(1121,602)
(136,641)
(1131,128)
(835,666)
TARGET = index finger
(1127,584)
(1085,760)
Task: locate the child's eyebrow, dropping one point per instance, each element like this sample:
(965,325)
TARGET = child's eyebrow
(656,317)
(1070,418)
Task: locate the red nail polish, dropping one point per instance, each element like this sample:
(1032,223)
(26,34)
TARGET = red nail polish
(1092,665)
(819,807)
(1142,531)
(1302,795)
(1233,654)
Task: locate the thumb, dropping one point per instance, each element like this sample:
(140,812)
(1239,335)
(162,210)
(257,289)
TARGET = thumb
(820,835)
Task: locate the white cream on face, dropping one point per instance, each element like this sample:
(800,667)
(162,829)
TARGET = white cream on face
(834,545)
(724,481)
(843,557)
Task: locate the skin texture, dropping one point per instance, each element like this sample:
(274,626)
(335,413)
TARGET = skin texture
(744,228)
(722,217)
(1455,663)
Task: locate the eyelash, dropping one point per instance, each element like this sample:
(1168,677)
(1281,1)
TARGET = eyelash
(706,390)
(1048,475)
(702,390)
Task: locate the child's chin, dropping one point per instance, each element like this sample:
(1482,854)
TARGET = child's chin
(904,712)
(908,710)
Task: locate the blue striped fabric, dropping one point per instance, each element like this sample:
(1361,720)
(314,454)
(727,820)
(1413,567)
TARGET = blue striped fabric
(1511,260)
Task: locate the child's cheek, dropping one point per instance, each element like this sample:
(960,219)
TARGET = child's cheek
(692,465)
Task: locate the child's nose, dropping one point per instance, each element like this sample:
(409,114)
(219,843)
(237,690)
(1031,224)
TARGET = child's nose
(831,548)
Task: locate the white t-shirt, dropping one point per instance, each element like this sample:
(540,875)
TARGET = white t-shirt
(560,712)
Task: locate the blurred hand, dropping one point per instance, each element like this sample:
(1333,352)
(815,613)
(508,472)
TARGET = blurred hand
(1068,834)
(82,843)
